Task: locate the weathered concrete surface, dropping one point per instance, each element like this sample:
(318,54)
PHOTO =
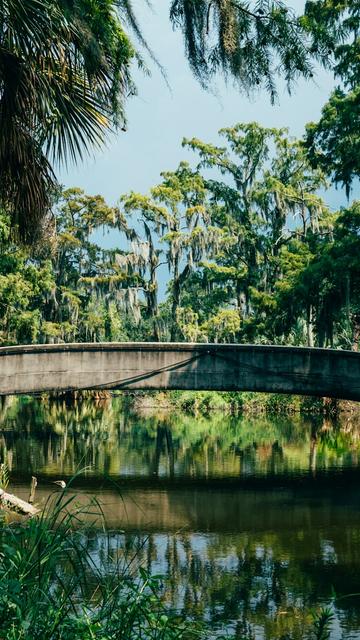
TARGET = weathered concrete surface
(297,370)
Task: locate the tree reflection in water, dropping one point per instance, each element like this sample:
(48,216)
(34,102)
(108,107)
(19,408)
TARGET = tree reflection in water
(53,437)
(253,585)
(249,559)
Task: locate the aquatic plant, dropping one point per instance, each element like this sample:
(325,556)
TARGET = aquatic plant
(322,621)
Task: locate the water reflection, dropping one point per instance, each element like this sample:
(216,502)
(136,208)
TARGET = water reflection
(253,584)
(253,521)
(54,438)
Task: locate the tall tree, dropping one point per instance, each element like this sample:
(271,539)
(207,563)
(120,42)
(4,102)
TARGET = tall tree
(177,212)
(70,288)
(327,278)
(261,178)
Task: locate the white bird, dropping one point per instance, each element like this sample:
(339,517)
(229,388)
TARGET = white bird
(60,483)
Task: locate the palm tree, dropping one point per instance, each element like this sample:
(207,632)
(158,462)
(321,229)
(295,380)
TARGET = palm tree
(64,77)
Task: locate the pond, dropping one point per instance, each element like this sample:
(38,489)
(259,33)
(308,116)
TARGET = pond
(253,521)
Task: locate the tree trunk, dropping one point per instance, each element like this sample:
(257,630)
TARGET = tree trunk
(356,332)
(13,502)
(152,289)
(310,325)
(178,281)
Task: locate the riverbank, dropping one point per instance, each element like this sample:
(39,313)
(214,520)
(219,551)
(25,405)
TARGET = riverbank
(246,403)
(204,402)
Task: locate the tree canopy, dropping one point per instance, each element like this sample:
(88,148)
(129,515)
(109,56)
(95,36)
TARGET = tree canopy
(64,78)
(333,142)
(252,251)
(66,74)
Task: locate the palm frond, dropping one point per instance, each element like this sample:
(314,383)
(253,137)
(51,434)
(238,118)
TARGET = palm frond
(64,79)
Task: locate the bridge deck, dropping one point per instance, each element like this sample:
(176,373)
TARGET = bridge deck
(296,370)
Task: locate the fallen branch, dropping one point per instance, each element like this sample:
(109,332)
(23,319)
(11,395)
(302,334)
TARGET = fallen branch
(13,502)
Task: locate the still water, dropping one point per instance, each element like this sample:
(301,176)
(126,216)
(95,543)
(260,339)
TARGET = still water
(252,521)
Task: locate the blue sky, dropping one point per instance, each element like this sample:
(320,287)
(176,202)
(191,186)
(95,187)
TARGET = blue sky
(158,118)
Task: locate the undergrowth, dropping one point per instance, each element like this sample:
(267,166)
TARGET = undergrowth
(242,402)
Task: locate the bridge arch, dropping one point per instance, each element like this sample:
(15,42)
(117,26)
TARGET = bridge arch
(131,365)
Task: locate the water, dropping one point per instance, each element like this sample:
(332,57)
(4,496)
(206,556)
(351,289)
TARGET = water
(252,521)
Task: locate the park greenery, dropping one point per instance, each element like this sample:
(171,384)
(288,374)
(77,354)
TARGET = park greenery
(252,251)
(64,575)
(67,66)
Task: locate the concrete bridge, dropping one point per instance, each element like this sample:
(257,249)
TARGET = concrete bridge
(133,365)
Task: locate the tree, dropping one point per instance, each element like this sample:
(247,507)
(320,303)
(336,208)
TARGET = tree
(176,211)
(64,77)
(252,43)
(325,278)
(258,180)
(252,251)
(333,143)
(26,286)
(69,289)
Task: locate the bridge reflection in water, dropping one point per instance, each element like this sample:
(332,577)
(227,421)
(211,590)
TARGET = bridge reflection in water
(131,365)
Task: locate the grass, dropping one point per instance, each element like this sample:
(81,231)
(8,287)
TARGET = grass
(53,586)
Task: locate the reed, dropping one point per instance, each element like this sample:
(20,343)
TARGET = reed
(56,584)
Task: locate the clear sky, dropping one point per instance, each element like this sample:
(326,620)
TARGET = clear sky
(158,118)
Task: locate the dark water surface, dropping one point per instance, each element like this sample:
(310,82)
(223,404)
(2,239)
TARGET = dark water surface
(253,521)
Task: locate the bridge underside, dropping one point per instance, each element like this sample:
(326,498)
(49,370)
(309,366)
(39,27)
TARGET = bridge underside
(131,366)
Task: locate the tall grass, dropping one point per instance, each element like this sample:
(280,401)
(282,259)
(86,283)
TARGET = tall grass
(54,587)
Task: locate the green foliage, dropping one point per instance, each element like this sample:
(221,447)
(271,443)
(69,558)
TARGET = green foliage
(57,101)
(266,181)
(322,621)
(250,42)
(327,284)
(176,217)
(224,326)
(333,142)
(70,289)
(253,254)
(52,588)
